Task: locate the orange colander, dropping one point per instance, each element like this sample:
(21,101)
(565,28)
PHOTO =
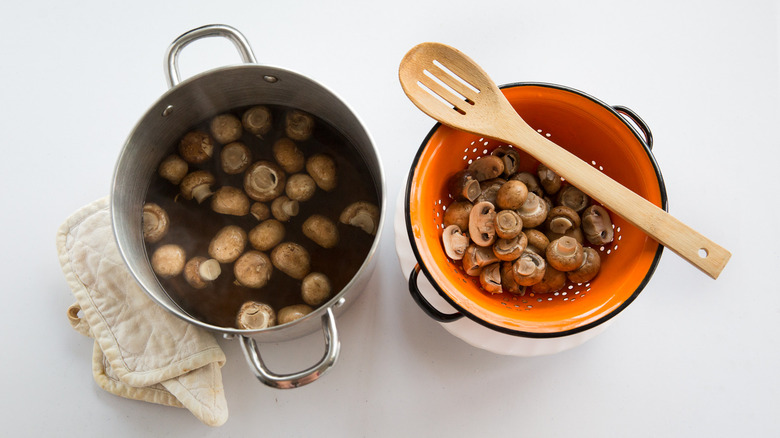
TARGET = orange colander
(613,139)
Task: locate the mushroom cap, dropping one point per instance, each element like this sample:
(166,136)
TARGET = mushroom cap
(537,241)
(482,227)
(322,169)
(510,157)
(228,244)
(257,120)
(553,280)
(197,184)
(300,187)
(597,225)
(196,147)
(490,278)
(477,257)
(564,254)
(508,224)
(260,211)
(292,259)
(530,181)
(561,219)
(292,313)
(489,190)
(298,125)
(510,249)
(457,213)
(511,195)
(196,267)
(321,230)
(288,155)
(173,168)
(315,289)
(533,211)
(550,181)
(284,208)
(576,233)
(155,222)
(266,235)
(508,280)
(361,214)
(254,315)
(487,167)
(463,186)
(230,200)
(591,264)
(168,260)
(264,181)
(454,242)
(253,269)
(529,268)
(235,158)
(226,128)
(573,198)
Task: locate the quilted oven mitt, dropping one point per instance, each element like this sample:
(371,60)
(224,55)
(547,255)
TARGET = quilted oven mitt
(141,351)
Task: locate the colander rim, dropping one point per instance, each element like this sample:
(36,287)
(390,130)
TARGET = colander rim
(523,333)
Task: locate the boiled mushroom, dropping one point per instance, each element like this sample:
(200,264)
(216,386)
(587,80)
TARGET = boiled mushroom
(292,259)
(199,271)
(575,233)
(266,235)
(508,224)
(235,158)
(510,249)
(530,181)
(533,211)
(553,280)
(288,155)
(529,269)
(550,181)
(464,186)
(155,222)
(292,313)
(226,128)
(573,198)
(454,242)
(487,167)
(457,213)
(284,208)
(168,260)
(253,269)
(300,187)
(322,169)
(587,271)
(482,227)
(510,157)
(197,185)
(321,231)
(254,315)
(196,147)
(561,219)
(260,211)
(508,281)
(173,168)
(230,200)
(511,195)
(564,254)
(490,278)
(477,257)
(597,225)
(257,120)
(315,289)
(489,190)
(537,241)
(298,125)
(264,181)
(227,244)
(361,214)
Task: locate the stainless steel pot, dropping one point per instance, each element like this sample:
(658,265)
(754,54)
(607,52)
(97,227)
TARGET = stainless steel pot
(198,98)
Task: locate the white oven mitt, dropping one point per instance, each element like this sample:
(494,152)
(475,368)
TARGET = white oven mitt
(141,351)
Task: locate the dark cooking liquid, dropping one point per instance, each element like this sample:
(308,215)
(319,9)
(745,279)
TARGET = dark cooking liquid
(193,225)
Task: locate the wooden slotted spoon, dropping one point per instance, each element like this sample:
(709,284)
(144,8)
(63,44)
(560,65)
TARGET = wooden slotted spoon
(432,74)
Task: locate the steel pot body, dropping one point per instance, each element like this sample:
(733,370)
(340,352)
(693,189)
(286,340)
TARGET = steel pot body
(194,100)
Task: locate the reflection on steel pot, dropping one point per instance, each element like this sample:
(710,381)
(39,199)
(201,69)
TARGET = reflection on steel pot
(200,97)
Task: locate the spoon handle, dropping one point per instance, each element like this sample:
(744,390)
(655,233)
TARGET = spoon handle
(683,240)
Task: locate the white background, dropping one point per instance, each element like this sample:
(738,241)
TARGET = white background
(690,357)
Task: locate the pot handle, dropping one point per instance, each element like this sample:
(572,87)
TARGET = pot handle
(634,118)
(172,54)
(424,304)
(294,380)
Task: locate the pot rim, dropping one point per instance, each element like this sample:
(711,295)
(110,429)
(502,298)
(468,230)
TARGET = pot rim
(522,333)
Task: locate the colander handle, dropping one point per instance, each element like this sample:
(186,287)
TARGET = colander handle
(171,65)
(424,304)
(295,380)
(637,121)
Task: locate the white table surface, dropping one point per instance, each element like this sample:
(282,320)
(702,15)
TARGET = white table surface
(690,357)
